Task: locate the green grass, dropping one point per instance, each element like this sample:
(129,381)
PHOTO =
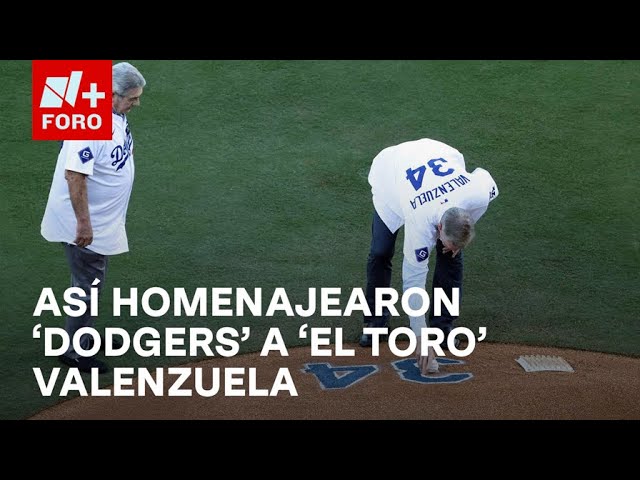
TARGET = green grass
(253,174)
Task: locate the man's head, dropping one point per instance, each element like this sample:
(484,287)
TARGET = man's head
(456,229)
(128,84)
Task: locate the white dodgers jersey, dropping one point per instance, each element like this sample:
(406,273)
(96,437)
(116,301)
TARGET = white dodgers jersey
(110,171)
(415,182)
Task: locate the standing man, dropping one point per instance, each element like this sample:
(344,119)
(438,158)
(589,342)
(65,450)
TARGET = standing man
(87,206)
(423,185)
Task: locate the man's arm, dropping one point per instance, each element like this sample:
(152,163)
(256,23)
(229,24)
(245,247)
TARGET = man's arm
(77,183)
(416,276)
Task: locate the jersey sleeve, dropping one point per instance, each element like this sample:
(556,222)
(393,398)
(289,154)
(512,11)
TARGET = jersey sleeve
(382,172)
(80,155)
(413,276)
(419,244)
(485,193)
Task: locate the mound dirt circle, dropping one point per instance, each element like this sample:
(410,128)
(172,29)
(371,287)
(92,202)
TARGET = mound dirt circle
(487,385)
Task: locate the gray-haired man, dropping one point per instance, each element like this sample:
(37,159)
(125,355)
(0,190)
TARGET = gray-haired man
(423,185)
(87,205)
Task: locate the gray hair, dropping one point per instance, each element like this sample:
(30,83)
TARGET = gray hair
(458,226)
(126,77)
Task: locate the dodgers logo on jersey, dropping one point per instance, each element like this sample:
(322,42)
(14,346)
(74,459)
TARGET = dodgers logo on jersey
(422,254)
(120,156)
(85,155)
(121,153)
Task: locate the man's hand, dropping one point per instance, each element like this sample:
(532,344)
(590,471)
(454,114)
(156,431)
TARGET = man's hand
(84,233)
(446,249)
(426,363)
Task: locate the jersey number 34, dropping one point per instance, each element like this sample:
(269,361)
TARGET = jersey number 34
(416,175)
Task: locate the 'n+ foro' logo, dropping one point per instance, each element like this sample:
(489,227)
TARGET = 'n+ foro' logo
(71,99)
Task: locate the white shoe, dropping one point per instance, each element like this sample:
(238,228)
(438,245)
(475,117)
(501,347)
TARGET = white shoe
(432,362)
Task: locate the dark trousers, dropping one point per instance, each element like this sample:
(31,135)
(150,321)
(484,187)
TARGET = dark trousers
(85,267)
(448,274)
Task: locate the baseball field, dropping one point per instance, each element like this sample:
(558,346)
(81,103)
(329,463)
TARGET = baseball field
(253,174)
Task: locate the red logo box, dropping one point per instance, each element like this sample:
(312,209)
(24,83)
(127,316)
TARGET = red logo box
(71,99)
